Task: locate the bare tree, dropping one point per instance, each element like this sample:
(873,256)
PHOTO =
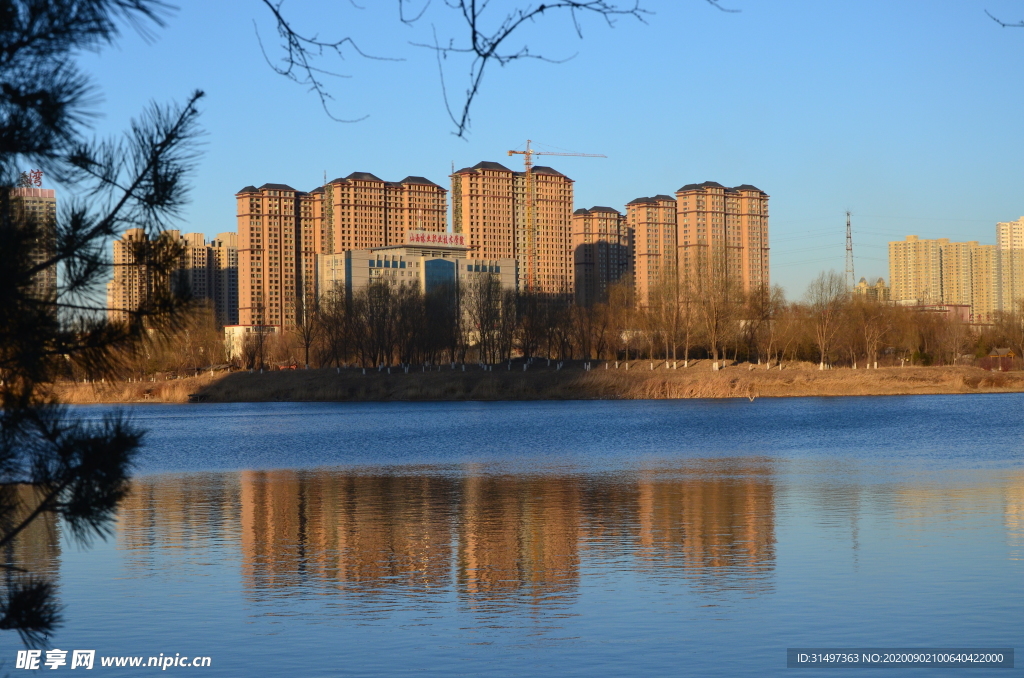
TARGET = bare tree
(717,299)
(827,296)
(308,327)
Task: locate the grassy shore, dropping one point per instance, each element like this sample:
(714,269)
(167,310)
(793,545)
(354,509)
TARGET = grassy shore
(540,382)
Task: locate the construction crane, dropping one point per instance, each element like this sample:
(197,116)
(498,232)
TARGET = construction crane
(531,212)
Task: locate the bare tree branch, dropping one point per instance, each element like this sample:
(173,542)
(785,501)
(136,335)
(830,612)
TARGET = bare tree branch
(1019,24)
(300,53)
(485,42)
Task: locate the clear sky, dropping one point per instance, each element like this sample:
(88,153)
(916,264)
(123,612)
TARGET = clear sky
(906,113)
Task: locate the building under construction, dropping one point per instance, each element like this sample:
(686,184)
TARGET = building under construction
(494,208)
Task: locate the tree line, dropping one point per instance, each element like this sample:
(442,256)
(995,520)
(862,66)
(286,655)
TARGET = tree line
(683,320)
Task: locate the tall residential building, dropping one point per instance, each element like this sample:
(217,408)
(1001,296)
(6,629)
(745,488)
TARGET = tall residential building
(224,251)
(283,231)
(723,226)
(915,270)
(130,286)
(652,222)
(38,207)
(707,229)
(602,254)
(278,241)
(878,292)
(937,271)
(1010,241)
(504,214)
(209,271)
(362,211)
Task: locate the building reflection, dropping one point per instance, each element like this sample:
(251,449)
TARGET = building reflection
(1014,514)
(717,526)
(519,536)
(37,548)
(492,540)
(165,515)
(364,533)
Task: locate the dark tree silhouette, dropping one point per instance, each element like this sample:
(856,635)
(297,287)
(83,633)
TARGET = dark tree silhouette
(76,470)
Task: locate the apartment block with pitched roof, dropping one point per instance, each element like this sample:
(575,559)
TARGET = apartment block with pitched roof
(491,206)
(602,252)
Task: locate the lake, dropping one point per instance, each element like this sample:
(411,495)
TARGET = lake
(597,538)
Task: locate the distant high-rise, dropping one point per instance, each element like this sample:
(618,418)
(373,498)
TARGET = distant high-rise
(131,285)
(706,230)
(363,211)
(279,236)
(209,271)
(878,291)
(1010,241)
(727,227)
(601,252)
(37,208)
(653,223)
(492,207)
(224,250)
(937,271)
(282,232)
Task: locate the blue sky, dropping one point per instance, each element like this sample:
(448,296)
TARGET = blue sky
(908,113)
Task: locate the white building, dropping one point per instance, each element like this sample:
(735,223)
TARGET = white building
(428,260)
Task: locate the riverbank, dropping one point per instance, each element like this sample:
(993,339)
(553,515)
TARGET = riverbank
(540,382)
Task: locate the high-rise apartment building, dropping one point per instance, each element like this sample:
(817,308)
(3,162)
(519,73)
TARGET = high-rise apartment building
(130,286)
(652,222)
(282,232)
(723,227)
(1010,241)
(279,237)
(224,252)
(37,208)
(706,230)
(362,211)
(602,252)
(937,271)
(507,215)
(877,292)
(209,271)
(915,270)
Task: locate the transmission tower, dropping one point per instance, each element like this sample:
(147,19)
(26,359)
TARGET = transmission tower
(850,281)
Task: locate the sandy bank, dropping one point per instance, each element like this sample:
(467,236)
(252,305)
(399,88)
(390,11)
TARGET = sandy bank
(540,382)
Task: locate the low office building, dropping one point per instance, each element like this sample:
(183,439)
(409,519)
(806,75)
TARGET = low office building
(428,261)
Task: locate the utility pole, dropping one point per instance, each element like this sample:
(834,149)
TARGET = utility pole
(850,280)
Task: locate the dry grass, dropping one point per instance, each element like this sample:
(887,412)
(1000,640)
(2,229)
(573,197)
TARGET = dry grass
(172,391)
(547,383)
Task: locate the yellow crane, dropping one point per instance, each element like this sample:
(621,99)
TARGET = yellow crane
(531,213)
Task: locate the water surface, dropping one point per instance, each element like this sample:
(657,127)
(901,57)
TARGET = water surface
(555,538)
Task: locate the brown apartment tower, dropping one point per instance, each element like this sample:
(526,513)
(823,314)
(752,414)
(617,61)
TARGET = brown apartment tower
(602,252)
(715,230)
(490,207)
(281,232)
(208,270)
